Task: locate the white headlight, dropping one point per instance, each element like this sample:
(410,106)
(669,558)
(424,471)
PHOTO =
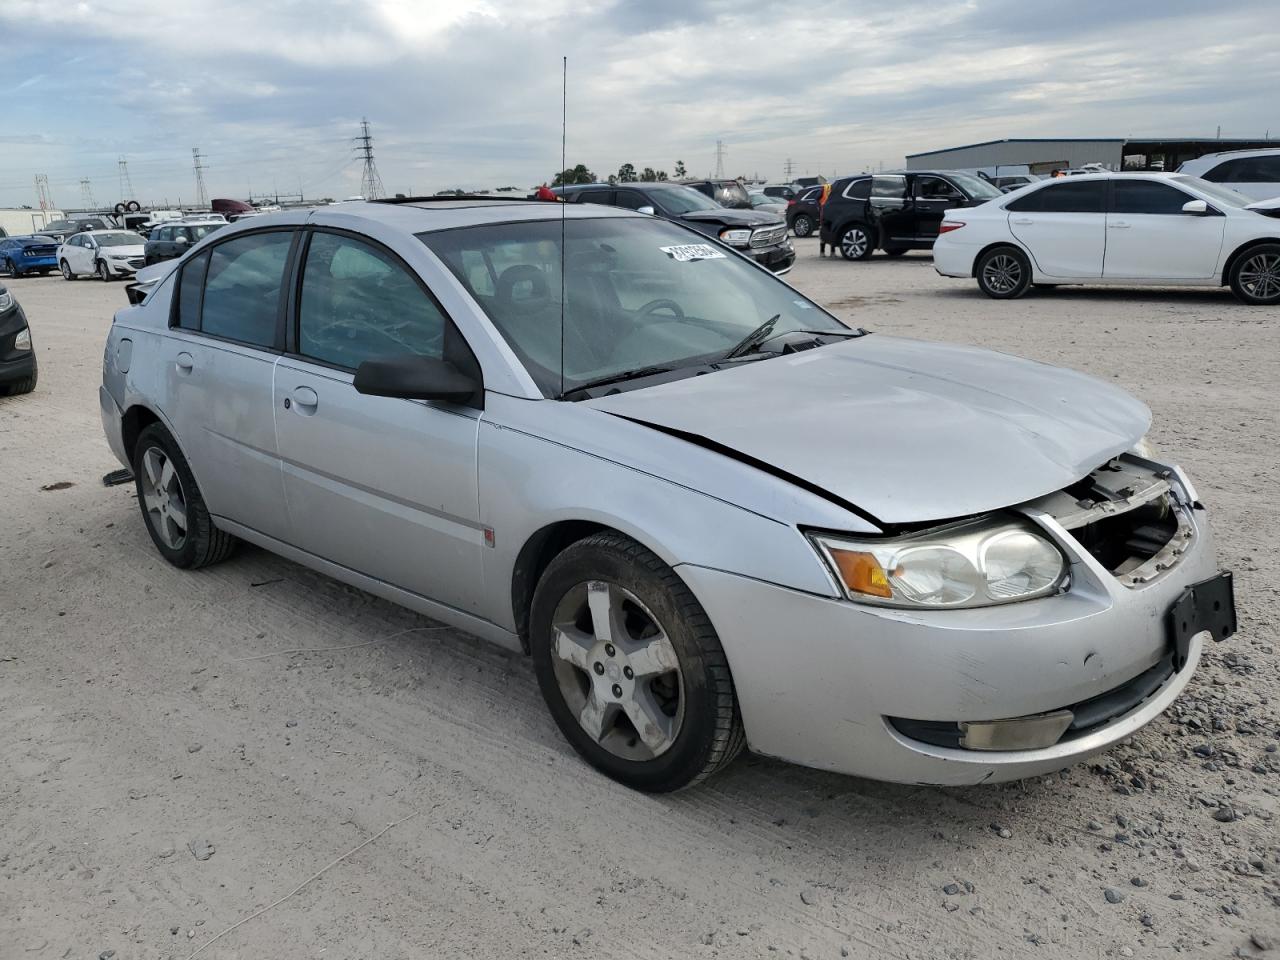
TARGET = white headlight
(972,565)
(736,238)
(23,340)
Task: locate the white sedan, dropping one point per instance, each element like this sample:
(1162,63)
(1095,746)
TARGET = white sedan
(1151,229)
(106,253)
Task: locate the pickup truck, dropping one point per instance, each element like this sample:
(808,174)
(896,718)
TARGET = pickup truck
(896,212)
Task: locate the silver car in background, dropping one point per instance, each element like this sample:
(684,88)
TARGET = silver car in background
(713,514)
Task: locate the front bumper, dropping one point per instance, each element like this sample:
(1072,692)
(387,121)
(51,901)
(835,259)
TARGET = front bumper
(818,678)
(778,258)
(125,268)
(14,364)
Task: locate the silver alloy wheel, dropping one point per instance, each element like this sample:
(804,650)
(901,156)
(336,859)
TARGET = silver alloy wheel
(617,670)
(803,226)
(164,498)
(1260,276)
(66,270)
(104,271)
(1002,273)
(854,243)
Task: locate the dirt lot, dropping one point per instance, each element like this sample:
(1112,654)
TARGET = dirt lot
(149,716)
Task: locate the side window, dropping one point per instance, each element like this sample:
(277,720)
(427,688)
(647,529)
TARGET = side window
(1078,196)
(889,188)
(935,188)
(632,199)
(1147,196)
(859,189)
(596,196)
(359,302)
(190,283)
(1267,169)
(242,289)
(163,235)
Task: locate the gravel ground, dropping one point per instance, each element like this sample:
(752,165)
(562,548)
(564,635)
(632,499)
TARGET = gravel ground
(168,767)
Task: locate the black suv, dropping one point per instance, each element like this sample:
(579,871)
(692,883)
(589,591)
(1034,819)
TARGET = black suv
(760,236)
(803,214)
(727,193)
(896,212)
(17,358)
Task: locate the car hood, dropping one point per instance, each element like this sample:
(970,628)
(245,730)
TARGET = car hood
(906,431)
(745,218)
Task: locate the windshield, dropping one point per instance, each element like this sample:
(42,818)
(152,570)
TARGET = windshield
(678,200)
(121,239)
(637,293)
(1222,195)
(975,187)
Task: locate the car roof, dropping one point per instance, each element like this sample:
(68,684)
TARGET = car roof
(429,215)
(1229,154)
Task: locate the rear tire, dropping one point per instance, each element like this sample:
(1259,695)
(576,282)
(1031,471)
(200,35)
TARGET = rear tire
(172,507)
(1004,273)
(1255,276)
(855,242)
(66,271)
(10,270)
(680,689)
(802,225)
(26,385)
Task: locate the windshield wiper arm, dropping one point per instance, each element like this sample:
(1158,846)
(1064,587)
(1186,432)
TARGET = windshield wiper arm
(753,339)
(617,378)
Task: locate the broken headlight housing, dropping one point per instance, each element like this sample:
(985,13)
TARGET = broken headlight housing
(976,564)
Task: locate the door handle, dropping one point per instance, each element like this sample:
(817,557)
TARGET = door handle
(1024,222)
(185,362)
(1119,226)
(305,400)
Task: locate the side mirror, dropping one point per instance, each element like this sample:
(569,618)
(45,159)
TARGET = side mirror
(415,378)
(647,211)
(1195,207)
(181,240)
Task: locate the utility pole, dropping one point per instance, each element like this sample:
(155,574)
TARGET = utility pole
(126,184)
(370,183)
(789,169)
(202,195)
(42,192)
(86,194)
(719,159)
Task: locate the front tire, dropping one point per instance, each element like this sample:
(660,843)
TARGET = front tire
(1255,276)
(172,507)
(1004,273)
(855,242)
(803,225)
(66,270)
(104,272)
(631,667)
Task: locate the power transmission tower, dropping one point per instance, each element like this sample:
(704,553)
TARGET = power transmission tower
(42,191)
(202,196)
(86,194)
(719,159)
(126,184)
(370,183)
(789,167)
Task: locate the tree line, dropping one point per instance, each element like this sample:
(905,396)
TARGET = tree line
(626,174)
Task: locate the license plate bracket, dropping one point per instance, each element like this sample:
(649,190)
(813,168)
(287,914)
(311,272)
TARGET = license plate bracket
(1207,605)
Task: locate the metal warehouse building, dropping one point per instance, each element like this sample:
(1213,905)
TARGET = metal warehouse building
(1045,156)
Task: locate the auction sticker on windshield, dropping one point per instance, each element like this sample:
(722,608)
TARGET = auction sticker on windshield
(685,252)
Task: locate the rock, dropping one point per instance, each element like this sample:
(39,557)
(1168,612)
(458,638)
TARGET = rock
(47,564)
(809,896)
(166,853)
(106,955)
(1137,881)
(844,951)
(200,849)
(195,747)
(1094,825)
(1261,941)
(951,889)
(951,907)
(291,723)
(1112,895)
(173,931)
(1126,951)
(1225,814)
(1147,920)
(35,946)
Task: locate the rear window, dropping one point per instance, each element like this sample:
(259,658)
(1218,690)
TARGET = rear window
(1072,196)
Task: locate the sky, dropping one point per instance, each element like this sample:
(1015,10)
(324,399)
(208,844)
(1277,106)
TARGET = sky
(467,93)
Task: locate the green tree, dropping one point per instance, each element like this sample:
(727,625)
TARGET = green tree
(648,175)
(681,173)
(577,174)
(627,173)
(613,178)
(662,175)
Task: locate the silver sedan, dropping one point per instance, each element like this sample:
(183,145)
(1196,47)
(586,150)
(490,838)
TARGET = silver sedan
(713,515)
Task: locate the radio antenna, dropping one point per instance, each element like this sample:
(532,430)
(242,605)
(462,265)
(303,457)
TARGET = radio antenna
(564,122)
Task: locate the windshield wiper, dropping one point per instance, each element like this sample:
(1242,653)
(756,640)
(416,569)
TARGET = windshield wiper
(753,339)
(626,375)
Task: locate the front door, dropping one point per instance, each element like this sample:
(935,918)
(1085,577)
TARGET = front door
(383,486)
(1063,225)
(1150,238)
(933,196)
(893,209)
(79,254)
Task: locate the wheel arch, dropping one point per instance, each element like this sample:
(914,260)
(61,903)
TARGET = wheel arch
(1240,251)
(136,419)
(977,257)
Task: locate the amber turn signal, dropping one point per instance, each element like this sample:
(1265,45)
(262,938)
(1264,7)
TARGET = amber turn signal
(861,572)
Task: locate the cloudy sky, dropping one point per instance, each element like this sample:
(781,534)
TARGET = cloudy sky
(467,92)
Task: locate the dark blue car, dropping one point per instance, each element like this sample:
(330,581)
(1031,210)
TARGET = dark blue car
(33,254)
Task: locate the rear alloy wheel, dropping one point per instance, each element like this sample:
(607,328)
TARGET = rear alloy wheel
(104,272)
(631,668)
(66,271)
(1255,276)
(802,225)
(10,270)
(1004,273)
(855,242)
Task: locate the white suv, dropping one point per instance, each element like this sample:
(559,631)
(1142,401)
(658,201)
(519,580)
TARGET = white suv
(1255,173)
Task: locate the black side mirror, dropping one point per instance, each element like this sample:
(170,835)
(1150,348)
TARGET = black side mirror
(417,378)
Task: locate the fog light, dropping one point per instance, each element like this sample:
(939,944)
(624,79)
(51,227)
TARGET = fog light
(23,340)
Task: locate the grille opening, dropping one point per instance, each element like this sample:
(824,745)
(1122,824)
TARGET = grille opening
(1125,541)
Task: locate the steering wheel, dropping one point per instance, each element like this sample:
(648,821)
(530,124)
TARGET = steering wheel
(654,305)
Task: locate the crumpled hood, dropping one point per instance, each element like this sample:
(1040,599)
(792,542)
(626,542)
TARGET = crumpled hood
(907,431)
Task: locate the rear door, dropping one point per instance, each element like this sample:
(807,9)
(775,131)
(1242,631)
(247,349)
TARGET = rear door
(228,327)
(1150,238)
(383,486)
(932,196)
(1063,226)
(892,207)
